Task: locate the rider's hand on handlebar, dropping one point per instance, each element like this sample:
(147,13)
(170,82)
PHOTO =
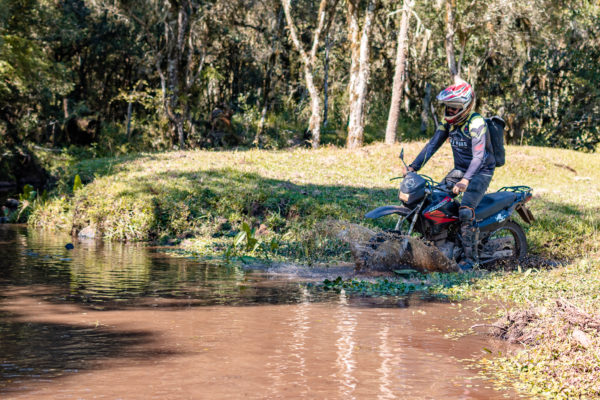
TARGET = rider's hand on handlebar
(407,170)
(461,186)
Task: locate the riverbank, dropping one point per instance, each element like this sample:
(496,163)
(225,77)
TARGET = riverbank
(275,205)
(203,199)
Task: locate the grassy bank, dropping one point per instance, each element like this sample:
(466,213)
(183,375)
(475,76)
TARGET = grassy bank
(557,323)
(202,200)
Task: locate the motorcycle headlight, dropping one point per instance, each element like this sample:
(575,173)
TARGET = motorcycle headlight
(403,197)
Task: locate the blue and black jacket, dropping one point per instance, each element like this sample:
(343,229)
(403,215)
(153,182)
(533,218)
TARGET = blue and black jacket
(471,147)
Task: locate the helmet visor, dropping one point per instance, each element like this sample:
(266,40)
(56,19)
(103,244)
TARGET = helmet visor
(451,111)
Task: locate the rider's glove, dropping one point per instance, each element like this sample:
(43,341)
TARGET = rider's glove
(460,187)
(407,170)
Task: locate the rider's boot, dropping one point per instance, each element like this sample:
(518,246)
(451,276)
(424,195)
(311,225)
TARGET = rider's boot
(470,238)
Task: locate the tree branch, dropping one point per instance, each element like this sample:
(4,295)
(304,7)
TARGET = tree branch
(294,32)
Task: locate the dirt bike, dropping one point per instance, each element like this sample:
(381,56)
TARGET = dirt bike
(430,209)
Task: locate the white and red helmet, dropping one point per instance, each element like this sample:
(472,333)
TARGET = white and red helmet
(459,95)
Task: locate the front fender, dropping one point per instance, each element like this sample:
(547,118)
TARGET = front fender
(387,210)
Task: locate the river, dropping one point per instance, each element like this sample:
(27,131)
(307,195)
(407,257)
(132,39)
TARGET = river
(126,321)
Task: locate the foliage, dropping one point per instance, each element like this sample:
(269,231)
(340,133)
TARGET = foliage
(435,284)
(28,200)
(77,185)
(80,73)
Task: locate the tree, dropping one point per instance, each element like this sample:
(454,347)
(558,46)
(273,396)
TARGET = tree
(309,59)
(147,74)
(450,30)
(270,61)
(360,70)
(173,31)
(180,61)
(30,79)
(398,86)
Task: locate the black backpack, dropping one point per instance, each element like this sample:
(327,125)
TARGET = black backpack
(496,136)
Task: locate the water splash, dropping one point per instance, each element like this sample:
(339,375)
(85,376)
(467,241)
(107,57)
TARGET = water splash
(388,251)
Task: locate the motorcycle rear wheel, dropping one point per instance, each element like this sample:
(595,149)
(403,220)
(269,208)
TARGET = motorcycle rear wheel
(507,242)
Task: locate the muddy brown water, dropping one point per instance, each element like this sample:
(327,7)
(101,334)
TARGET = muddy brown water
(112,321)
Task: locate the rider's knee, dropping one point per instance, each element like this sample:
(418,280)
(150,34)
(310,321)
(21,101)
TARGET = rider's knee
(466,214)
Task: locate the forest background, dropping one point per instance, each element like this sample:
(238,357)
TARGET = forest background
(107,77)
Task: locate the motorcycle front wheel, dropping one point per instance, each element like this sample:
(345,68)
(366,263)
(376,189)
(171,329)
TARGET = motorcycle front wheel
(507,242)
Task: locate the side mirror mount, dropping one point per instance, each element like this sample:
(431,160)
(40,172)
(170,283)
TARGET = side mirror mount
(402,158)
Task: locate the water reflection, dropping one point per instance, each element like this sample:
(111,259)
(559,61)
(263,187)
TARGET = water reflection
(346,324)
(44,350)
(385,369)
(113,273)
(297,349)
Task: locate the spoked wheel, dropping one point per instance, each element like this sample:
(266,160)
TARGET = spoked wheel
(507,242)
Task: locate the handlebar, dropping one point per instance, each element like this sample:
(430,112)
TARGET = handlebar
(443,188)
(431,184)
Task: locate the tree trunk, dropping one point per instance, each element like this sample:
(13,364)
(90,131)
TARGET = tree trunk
(425,108)
(360,69)
(435,120)
(174,53)
(450,6)
(184,60)
(180,132)
(308,60)
(66,108)
(271,61)
(326,81)
(129,109)
(398,86)
(265,99)
(314,123)
(354,39)
(261,124)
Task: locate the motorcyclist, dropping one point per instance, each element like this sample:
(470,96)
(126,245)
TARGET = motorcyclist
(474,161)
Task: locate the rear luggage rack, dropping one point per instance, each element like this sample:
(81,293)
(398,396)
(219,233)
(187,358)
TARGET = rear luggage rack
(524,194)
(516,189)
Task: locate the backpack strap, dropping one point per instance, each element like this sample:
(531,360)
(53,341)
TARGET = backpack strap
(498,119)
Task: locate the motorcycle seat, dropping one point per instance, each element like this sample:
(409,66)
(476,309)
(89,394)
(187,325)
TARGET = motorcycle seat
(494,202)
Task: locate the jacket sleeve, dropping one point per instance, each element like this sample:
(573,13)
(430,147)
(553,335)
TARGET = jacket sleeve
(478,132)
(440,135)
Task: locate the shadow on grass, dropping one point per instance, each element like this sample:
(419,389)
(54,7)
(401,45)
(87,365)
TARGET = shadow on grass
(90,169)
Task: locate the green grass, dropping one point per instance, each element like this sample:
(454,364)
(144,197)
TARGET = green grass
(555,365)
(202,199)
